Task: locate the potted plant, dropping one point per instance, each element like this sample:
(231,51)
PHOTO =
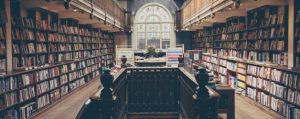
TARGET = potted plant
(151,51)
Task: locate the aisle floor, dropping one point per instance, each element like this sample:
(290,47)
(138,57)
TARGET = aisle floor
(70,106)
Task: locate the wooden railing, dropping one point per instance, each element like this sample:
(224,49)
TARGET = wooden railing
(154,90)
(194,10)
(113,9)
(189,105)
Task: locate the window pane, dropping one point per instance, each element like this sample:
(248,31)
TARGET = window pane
(154,25)
(153,42)
(165,44)
(166,27)
(141,40)
(165,35)
(141,28)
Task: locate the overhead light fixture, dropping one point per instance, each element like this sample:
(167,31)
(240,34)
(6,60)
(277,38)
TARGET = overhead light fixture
(212,15)
(75,10)
(229,8)
(236,3)
(67,4)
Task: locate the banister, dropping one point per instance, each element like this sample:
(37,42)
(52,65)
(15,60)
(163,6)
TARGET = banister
(185,96)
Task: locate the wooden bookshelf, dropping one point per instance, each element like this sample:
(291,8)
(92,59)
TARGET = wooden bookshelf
(52,57)
(2,39)
(251,58)
(297,33)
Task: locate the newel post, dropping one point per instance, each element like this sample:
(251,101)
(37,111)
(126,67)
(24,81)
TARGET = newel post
(106,95)
(201,95)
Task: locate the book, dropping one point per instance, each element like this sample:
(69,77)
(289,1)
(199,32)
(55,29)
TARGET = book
(263,99)
(263,84)
(64,90)
(42,75)
(2,33)
(27,93)
(54,83)
(43,101)
(54,95)
(8,84)
(42,87)
(42,24)
(278,90)
(41,37)
(251,80)
(11,114)
(251,93)
(10,99)
(278,105)
(27,110)
(54,72)
(26,79)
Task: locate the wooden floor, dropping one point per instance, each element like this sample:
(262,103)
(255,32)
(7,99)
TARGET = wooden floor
(70,106)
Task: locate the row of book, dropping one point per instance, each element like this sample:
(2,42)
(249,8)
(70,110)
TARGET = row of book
(259,77)
(231,65)
(28,93)
(45,25)
(263,17)
(22,22)
(19,81)
(288,79)
(2,33)
(27,110)
(22,34)
(31,61)
(263,98)
(236,27)
(278,90)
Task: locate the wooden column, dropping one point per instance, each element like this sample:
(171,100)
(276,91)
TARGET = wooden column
(291,36)
(9,59)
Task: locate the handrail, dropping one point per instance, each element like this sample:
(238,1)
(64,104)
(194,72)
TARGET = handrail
(107,10)
(187,101)
(195,10)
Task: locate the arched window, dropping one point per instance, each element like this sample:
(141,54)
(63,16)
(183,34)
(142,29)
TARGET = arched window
(153,27)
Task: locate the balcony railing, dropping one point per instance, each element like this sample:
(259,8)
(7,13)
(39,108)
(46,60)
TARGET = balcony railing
(195,10)
(107,10)
(153,91)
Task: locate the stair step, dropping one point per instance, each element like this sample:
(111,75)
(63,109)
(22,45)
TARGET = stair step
(152,115)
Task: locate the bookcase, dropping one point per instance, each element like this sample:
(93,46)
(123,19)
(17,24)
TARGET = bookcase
(2,38)
(297,33)
(254,60)
(51,58)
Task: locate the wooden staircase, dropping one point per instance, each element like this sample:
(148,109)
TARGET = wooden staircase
(152,115)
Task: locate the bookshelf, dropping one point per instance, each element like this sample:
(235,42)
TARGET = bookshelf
(252,56)
(297,33)
(2,38)
(52,57)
